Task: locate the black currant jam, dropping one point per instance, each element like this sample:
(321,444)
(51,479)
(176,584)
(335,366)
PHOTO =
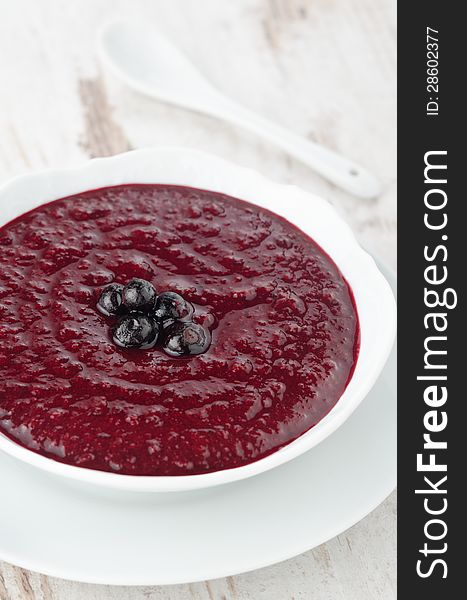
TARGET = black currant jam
(236,335)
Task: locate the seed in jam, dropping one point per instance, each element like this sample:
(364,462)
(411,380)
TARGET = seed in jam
(139,294)
(172,306)
(110,300)
(186,339)
(136,331)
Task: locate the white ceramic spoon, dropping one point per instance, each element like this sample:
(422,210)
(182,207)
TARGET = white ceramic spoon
(149,63)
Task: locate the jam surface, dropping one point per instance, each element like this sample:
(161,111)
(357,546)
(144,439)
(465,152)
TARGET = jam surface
(283,322)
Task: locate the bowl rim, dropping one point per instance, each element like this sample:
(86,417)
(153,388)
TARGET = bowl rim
(194,168)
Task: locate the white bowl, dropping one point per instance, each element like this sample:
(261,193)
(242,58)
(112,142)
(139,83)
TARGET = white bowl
(180,166)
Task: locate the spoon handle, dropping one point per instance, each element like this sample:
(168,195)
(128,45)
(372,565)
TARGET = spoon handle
(337,169)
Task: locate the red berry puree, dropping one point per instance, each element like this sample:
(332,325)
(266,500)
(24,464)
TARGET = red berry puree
(282,319)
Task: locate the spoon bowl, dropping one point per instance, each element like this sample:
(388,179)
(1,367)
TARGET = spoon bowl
(149,63)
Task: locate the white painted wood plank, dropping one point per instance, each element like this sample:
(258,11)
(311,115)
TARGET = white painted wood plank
(325,69)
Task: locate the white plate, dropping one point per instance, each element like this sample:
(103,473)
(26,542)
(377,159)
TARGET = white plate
(66,531)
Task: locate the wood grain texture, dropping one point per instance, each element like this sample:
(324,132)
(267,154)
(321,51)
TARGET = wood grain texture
(102,135)
(323,68)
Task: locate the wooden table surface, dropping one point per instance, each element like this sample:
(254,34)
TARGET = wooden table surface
(323,68)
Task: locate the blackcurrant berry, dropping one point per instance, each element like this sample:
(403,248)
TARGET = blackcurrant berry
(172,306)
(139,294)
(136,331)
(185,339)
(110,300)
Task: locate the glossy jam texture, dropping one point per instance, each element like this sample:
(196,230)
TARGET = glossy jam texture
(284,332)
